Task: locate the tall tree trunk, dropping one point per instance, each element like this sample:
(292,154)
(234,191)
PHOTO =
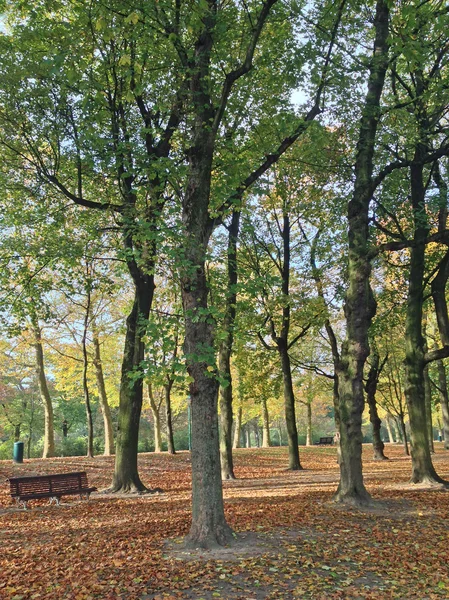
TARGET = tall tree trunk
(428,401)
(209,525)
(371,388)
(289,405)
(90,427)
(266,438)
(403,433)
(169,420)
(155,409)
(422,467)
(360,306)
(444,401)
(17,428)
(49,435)
(126,477)
(225,351)
(104,404)
(309,436)
(247,436)
(238,428)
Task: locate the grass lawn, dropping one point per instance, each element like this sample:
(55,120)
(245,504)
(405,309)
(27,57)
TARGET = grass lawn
(292,543)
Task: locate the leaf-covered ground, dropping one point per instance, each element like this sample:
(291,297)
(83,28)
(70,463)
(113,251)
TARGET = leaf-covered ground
(292,543)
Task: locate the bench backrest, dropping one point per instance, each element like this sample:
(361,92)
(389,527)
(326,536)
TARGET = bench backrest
(47,484)
(327,440)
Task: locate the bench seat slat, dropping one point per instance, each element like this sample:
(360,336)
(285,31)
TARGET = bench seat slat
(49,486)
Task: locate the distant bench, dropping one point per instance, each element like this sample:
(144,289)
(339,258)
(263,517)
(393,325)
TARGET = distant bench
(53,487)
(325,441)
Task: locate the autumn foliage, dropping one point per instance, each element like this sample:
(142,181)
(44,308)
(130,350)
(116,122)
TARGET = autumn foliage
(302,546)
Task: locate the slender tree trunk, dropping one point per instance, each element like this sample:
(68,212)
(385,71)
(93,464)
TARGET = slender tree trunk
(90,427)
(289,405)
(104,404)
(17,428)
(126,477)
(155,410)
(371,388)
(428,400)
(248,435)
(360,306)
(266,438)
(403,434)
(444,401)
(309,436)
(168,413)
(49,435)
(225,351)
(389,431)
(238,428)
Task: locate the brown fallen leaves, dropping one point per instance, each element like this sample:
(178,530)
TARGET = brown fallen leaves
(306,547)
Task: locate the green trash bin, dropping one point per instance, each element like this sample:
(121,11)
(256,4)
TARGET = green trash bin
(18,452)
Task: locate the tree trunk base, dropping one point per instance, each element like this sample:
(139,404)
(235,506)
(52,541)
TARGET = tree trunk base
(207,540)
(429,480)
(380,457)
(132,489)
(356,499)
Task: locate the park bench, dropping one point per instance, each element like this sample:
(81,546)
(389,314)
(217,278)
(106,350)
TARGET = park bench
(325,441)
(53,487)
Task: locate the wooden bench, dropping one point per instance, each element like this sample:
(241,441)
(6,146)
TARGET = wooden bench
(325,441)
(53,487)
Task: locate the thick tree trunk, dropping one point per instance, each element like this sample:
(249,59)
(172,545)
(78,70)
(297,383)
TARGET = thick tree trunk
(49,435)
(104,404)
(290,411)
(371,388)
(168,414)
(266,438)
(155,410)
(309,436)
(225,351)
(238,428)
(359,302)
(126,477)
(209,526)
(444,401)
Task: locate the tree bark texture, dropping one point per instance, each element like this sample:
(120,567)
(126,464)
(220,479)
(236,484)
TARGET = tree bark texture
(155,410)
(169,418)
(126,477)
(238,428)
(359,305)
(444,401)
(371,388)
(49,434)
(86,393)
(422,467)
(266,438)
(289,405)
(309,436)
(225,352)
(104,404)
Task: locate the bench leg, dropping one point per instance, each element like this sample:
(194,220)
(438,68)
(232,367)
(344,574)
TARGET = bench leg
(55,499)
(22,503)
